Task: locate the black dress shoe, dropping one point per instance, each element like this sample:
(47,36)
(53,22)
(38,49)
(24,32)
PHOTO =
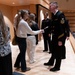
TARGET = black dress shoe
(63,57)
(17,67)
(44,50)
(27,69)
(49,52)
(54,69)
(48,64)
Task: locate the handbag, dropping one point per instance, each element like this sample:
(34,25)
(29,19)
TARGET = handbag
(14,40)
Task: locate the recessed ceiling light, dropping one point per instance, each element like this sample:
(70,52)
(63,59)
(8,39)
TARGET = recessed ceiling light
(13,3)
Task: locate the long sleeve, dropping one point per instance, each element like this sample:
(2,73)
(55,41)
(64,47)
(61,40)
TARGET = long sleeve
(24,29)
(61,32)
(67,28)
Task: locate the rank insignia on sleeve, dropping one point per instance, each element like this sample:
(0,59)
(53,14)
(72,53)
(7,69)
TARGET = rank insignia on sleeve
(62,21)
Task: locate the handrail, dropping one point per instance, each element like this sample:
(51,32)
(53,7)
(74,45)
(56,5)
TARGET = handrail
(72,41)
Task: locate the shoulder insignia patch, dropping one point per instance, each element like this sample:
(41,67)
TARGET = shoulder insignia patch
(62,21)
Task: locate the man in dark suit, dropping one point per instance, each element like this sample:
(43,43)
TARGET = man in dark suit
(46,22)
(59,32)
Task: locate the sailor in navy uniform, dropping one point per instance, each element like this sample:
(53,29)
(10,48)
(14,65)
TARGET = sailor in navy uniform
(58,29)
(46,22)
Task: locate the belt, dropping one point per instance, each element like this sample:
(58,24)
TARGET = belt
(30,35)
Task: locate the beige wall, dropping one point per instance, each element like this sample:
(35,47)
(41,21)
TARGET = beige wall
(16,8)
(31,7)
(7,12)
(72,41)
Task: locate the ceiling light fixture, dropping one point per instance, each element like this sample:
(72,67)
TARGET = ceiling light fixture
(13,3)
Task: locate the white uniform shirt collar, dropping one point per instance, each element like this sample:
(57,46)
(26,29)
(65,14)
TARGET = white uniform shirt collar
(55,12)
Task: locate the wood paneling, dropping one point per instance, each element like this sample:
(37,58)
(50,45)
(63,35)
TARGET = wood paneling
(8,16)
(70,15)
(72,41)
(24,2)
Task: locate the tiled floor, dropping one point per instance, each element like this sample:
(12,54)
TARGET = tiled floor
(37,68)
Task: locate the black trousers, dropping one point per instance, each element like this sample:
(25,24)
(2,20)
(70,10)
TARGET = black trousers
(6,65)
(21,58)
(47,43)
(63,52)
(55,58)
(36,39)
(58,53)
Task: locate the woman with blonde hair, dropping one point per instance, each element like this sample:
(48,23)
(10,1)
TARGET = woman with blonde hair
(22,30)
(5,49)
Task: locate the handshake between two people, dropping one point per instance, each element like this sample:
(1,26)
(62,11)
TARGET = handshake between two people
(43,30)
